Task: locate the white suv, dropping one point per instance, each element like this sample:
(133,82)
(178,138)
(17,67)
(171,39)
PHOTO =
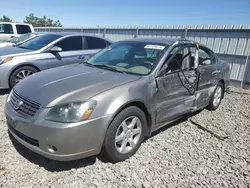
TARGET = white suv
(10,30)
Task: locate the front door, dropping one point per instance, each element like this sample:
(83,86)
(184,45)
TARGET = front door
(72,52)
(176,87)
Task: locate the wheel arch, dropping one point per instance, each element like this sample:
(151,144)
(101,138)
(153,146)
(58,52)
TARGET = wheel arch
(19,66)
(141,105)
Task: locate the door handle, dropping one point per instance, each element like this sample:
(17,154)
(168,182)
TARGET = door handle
(82,57)
(215,72)
(203,70)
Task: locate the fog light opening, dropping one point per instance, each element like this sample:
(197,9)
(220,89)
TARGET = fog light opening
(51,149)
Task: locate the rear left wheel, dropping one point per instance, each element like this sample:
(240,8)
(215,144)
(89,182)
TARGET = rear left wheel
(216,97)
(125,134)
(21,73)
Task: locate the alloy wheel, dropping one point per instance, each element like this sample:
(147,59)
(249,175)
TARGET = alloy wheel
(128,134)
(22,74)
(217,96)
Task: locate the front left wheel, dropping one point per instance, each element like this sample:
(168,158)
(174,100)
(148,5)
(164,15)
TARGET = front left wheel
(125,134)
(21,73)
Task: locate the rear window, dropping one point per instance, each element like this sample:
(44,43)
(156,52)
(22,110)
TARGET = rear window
(94,43)
(6,29)
(22,29)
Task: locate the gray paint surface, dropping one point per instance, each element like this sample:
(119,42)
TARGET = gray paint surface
(230,42)
(165,97)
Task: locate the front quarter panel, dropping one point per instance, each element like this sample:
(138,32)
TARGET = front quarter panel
(111,101)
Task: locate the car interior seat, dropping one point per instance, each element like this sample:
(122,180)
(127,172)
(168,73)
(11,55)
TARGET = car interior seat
(175,63)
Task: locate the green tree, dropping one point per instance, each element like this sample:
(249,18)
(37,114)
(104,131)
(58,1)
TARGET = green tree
(5,19)
(42,22)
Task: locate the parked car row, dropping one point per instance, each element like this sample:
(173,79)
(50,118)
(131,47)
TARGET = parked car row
(46,51)
(10,30)
(108,101)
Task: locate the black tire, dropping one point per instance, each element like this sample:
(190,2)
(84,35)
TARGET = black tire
(211,105)
(12,80)
(109,151)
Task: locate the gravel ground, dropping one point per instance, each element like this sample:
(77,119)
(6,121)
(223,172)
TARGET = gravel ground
(212,150)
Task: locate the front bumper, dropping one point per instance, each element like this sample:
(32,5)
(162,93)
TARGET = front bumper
(4,75)
(72,141)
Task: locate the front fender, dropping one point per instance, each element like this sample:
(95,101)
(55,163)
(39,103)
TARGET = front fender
(110,102)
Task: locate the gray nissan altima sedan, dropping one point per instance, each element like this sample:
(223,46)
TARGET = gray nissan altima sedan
(110,102)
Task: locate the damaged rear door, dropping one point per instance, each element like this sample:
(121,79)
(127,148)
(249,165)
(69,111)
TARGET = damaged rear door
(208,72)
(176,86)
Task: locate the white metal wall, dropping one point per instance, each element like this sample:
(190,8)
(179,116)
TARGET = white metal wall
(230,42)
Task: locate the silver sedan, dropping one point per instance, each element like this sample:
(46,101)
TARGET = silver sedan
(44,52)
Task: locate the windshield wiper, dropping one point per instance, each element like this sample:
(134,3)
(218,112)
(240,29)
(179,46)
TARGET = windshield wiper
(87,63)
(21,47)
(103,66)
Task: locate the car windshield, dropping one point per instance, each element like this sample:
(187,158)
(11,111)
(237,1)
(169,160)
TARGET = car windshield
(39,42)
(129,57)
(21,38)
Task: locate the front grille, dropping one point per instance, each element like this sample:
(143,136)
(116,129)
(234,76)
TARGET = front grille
(23,106)
(27,139)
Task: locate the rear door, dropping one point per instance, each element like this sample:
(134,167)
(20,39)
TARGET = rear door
(208,75)
(92,45)
(72,52)
(176,86)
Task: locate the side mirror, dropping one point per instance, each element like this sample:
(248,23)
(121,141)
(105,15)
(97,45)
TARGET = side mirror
(55,49)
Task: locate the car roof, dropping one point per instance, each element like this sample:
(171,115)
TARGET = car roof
(165,41)
(62,34)
(15,23)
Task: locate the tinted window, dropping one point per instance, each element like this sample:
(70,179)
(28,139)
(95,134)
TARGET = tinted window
(94,43)
(39,42)
(6,29)
(70,43)
(22,29)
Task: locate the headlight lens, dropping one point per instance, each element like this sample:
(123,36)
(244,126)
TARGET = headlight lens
(71,112)
(9,96)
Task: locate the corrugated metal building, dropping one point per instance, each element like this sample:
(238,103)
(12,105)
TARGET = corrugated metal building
(230,42)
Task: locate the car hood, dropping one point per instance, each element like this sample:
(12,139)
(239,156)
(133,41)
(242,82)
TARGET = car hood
(69,83)
(13,51)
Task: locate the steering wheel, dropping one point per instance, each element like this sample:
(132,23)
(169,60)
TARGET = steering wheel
(147,64)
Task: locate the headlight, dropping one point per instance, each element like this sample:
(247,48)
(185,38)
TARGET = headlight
(9,96)
(71,112)
(5,59)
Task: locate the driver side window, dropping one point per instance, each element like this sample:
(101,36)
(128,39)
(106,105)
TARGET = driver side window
(70,43)
(182,60)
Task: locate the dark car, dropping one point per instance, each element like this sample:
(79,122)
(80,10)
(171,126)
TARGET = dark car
(112,101)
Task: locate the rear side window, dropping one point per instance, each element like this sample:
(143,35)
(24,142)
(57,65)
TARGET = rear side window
(94,43)
(70,43)
(6,29)
(22,29)
(204,57)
